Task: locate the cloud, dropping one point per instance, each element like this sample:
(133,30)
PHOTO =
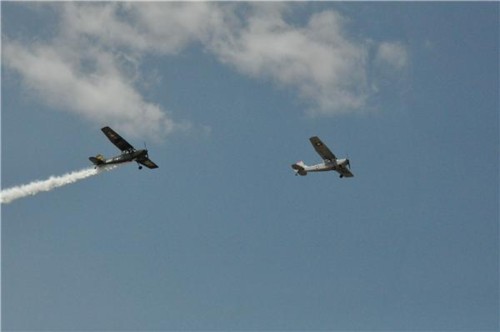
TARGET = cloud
(319,59)
(92,65)
(392,54)
(101,94)
(327,69)
(164,28)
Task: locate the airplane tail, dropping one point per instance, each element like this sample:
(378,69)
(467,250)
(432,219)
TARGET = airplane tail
(97,160)
(299,168)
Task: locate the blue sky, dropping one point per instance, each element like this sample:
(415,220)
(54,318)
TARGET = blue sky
(223,236)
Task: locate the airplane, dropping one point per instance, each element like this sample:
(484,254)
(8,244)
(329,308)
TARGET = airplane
(330,162)
(129,153)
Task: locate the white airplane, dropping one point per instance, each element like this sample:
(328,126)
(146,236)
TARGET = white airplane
(330,162)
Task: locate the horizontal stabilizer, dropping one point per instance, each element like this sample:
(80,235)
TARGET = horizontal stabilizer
(97,160)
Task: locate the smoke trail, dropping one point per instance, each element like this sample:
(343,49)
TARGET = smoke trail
(33,188)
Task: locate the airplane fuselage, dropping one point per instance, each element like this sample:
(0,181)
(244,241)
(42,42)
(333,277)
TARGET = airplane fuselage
(325,166)
(333,165)
(321,167)
(126,157)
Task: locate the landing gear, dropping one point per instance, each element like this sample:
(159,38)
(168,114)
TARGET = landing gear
(341,176)
(140,167)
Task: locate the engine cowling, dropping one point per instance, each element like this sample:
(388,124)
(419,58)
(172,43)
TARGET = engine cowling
(299,168)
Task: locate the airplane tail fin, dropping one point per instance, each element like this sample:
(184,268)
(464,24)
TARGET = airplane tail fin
(97,160)
(299,168)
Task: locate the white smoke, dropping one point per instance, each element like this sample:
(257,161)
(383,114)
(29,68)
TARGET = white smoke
(33,188)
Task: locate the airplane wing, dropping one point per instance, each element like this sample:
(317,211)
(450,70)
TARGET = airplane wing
(322,149)
(344,171)
(117,139)
(147,162)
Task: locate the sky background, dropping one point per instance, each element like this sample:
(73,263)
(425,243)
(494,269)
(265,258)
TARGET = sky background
(223,236)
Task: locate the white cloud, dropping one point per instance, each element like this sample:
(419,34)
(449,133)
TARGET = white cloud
(141,27)
(392,54)
(91,66)
(102,95)
(327,69)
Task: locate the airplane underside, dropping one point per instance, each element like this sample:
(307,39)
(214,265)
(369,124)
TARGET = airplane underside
(302,169)
(100,161)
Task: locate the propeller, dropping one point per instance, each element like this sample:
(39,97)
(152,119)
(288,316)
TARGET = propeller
(145,148)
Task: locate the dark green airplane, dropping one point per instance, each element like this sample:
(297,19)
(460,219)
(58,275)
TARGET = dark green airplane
(129,153)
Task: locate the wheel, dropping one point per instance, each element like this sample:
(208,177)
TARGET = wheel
(140,167)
